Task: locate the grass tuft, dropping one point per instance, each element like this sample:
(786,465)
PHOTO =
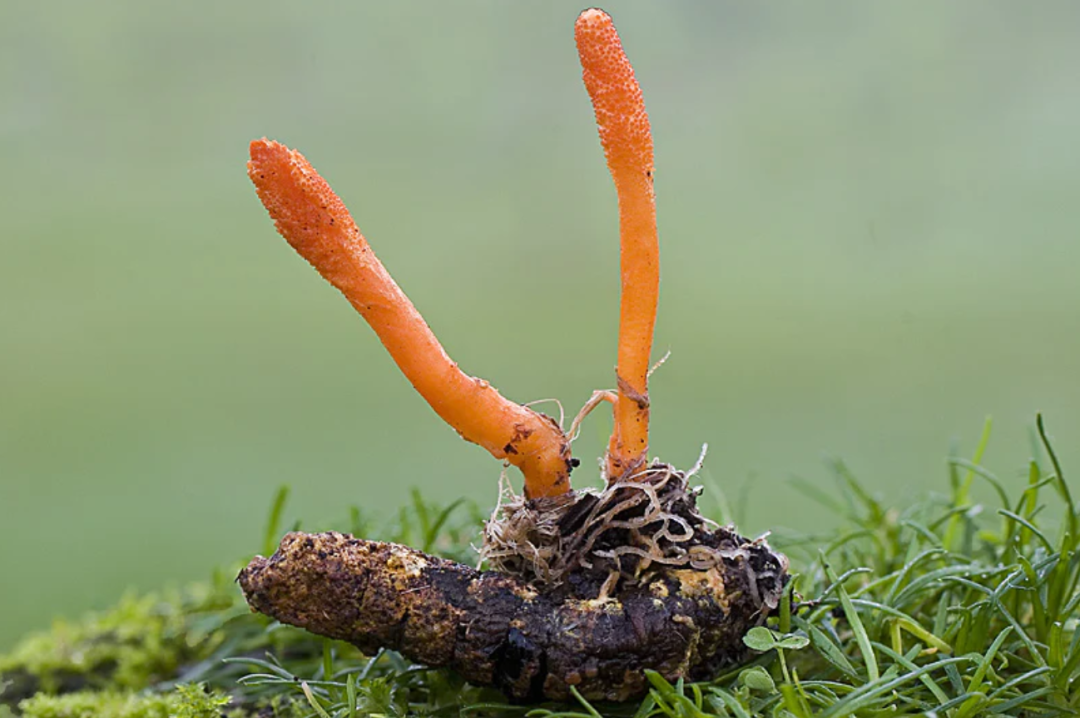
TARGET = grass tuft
(945,607)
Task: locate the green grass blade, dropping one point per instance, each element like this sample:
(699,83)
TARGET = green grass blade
(274,520)
(867,651)
(960,498)
(866,695)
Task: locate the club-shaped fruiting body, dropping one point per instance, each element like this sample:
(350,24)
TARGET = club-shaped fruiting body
(597,588)
(319,227)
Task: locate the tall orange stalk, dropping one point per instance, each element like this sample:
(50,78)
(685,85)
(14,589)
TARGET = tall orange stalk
(318,226)
(627,141)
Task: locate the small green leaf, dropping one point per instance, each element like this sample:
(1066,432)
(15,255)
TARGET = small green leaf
(760,638)
(793,642)
(757,679)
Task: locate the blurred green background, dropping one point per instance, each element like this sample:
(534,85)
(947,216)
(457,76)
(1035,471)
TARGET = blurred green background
(869,216)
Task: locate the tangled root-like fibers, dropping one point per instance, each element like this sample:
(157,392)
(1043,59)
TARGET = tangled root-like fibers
(625,533)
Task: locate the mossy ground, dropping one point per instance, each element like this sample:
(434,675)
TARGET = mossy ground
(945,607)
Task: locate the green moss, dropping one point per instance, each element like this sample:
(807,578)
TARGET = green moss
(187,701)
(193,700)
(98,704)
(135,643)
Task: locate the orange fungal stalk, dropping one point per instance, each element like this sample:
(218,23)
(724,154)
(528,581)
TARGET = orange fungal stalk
(589,592)
(318,226)
(628,146)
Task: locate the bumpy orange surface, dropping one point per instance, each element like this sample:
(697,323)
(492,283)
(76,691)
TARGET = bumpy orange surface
(628,146)
(318,226)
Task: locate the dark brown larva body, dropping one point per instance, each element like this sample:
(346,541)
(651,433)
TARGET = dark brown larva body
(497,630)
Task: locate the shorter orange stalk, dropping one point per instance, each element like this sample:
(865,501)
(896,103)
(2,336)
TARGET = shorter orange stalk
(316,223)
(628,146)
